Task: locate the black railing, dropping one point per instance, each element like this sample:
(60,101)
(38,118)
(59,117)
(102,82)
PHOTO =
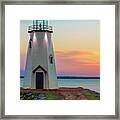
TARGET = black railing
(40,27)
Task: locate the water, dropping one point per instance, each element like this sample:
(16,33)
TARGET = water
(92,84)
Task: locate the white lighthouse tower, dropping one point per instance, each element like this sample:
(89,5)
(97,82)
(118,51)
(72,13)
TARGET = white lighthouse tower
(40,70)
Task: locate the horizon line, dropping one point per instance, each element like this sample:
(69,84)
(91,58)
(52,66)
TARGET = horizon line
(67,76)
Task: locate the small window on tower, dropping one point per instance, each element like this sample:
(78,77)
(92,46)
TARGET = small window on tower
(30,45)
(51,59)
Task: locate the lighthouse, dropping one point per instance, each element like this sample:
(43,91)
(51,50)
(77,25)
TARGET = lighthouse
(40,70)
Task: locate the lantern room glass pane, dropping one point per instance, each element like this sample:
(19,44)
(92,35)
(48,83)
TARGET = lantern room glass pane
(40,22)
(46,22)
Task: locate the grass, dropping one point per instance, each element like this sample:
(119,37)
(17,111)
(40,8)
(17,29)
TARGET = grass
(51,96)
(91,96)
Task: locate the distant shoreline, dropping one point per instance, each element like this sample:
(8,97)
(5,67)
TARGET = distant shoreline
(72,77)
(76,77)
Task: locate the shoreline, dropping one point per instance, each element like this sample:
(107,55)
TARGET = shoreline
(60,88)
(64,87)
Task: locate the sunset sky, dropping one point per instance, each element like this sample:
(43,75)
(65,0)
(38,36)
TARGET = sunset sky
(76,46)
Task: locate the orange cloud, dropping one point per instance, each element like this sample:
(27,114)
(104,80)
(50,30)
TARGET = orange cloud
(78,62)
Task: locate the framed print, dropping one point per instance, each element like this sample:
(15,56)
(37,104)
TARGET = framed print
(60,60)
